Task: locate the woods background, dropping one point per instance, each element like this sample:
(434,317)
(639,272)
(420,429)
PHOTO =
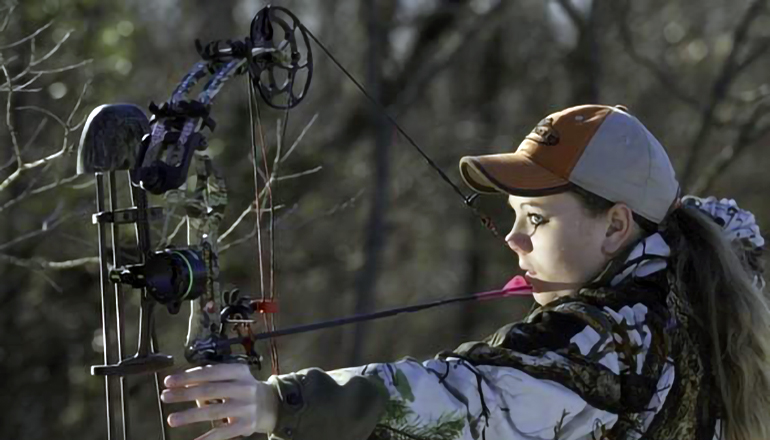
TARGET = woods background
(374,226)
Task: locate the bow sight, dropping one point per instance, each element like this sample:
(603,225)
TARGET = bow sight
(155,155)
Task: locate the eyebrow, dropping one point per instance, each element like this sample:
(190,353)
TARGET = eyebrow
(533,204)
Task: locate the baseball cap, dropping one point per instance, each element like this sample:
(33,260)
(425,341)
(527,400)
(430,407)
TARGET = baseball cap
(602,149)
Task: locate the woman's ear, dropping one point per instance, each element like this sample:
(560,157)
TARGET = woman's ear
(620,229)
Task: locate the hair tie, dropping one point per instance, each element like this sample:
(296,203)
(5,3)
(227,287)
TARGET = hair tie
(738,225)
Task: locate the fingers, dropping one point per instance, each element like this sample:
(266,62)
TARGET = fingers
(208,373)
(207,413)
(249,405)
(207,391)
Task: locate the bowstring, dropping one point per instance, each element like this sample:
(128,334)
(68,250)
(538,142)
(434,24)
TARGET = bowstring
(273,289)
(268,318)
(256,186)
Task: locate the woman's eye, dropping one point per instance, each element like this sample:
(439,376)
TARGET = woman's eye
(536,219)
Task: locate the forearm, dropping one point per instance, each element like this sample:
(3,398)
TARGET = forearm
(438,398)
(317,405)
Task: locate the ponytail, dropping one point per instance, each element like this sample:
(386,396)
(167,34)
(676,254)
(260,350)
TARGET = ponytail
(717,267)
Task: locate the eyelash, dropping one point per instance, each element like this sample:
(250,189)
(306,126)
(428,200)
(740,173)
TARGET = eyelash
(539,219)
(535,219)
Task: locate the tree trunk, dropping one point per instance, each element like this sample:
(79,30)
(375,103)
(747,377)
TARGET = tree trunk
(375,229)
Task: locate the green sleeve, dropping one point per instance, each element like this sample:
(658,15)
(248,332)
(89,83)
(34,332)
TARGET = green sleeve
(315,405)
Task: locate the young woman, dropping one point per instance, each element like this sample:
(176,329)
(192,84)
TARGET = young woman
(651,319)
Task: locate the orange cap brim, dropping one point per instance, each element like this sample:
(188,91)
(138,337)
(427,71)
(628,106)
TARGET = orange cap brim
(510,173)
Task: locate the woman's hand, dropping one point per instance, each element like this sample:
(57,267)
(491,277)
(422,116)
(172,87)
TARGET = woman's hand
(248,405)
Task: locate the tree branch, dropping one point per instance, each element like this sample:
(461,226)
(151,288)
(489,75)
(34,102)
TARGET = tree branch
(663,77)
(45,188)
(33,138)
(66,126)
(727,75)
(45,229)
(9,117)
(28,166)
(754,55)
(40,263)
(52,51)
(63,69)
(409,83)
(23,86)
(746,137)
(7,19)
(28,37)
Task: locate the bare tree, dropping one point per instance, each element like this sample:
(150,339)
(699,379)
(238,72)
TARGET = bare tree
(744,52)
(28,170)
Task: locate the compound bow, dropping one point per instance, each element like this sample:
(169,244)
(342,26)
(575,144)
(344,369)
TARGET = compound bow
(156,155)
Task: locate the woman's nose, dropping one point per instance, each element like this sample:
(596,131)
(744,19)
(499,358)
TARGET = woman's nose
(519,243)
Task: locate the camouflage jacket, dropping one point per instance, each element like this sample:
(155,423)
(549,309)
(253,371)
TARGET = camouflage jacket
(615,361)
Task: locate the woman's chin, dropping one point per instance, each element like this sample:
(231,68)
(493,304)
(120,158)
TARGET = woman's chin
(547,291)
(544,298)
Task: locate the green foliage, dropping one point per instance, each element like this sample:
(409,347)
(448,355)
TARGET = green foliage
(401,383)
(400,422)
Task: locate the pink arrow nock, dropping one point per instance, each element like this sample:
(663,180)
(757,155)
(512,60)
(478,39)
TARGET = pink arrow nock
(518,285)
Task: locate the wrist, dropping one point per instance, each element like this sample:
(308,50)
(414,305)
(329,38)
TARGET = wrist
(268,406)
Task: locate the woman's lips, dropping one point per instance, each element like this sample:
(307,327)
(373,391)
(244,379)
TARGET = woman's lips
(539,285)
(534,282)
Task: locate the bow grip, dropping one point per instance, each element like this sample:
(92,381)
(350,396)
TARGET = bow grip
(159,176)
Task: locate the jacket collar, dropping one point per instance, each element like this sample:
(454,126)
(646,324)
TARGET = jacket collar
(647,256)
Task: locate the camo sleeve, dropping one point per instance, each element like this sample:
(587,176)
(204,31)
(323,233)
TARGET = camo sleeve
(557,377)
(441,399)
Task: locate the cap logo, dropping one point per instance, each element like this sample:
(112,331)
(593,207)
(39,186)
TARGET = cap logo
(544,133)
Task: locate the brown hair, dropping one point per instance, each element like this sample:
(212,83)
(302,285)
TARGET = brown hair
(718,279)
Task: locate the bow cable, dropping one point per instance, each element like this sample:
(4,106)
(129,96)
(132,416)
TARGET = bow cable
(467,200)
(267,306)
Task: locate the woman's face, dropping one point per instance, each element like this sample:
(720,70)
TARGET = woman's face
(559,243)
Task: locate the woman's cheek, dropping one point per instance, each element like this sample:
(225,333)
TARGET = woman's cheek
(568,259)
